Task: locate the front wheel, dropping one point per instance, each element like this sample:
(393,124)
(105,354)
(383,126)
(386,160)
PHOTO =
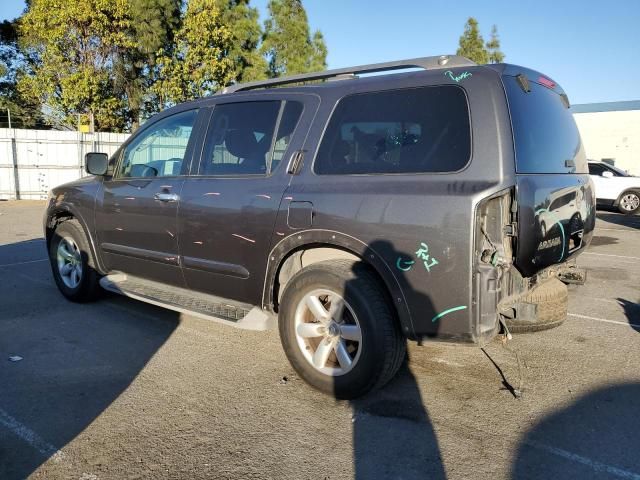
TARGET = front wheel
(72,264)
(629,202)
(339,330)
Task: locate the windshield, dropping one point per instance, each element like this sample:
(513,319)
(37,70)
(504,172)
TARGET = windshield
(619,171)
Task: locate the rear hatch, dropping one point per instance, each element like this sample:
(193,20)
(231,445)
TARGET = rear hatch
(554,194)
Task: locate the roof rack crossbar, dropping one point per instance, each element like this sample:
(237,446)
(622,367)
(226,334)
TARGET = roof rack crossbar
(428,63)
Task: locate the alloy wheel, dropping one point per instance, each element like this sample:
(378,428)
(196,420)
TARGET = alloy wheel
(69,261)
(328,332)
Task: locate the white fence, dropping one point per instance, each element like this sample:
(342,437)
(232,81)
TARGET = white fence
(34,161)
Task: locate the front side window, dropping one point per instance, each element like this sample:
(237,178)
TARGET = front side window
(242,138)
(595,169)
(416,130)
(160,149)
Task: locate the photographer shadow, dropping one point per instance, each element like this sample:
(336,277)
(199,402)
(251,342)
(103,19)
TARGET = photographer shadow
(393,436)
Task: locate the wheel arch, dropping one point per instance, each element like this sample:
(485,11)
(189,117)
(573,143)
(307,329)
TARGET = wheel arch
(62,214)
(304,248)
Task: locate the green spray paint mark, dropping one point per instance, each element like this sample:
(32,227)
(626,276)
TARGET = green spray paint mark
(446,312)
(428,260)
(406,264)
(457,78)
(538,212)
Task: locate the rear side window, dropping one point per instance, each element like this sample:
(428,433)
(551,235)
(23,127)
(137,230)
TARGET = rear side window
(239,138)
(545,135)
(288,121)
(417,130)
(248,138)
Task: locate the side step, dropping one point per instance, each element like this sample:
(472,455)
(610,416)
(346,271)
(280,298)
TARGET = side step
(201,305)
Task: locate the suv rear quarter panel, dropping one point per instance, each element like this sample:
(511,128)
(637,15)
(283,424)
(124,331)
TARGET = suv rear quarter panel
(397,215)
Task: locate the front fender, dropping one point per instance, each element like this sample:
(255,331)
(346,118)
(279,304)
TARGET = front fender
(79,204)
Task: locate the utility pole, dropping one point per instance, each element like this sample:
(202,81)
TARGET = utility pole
(9,115)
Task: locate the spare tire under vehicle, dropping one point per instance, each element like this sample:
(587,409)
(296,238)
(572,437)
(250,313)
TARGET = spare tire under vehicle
(551,298)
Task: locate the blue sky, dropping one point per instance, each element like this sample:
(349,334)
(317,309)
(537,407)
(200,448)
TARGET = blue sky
(592,48)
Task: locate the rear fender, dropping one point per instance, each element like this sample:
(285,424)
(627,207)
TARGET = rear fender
(323,238)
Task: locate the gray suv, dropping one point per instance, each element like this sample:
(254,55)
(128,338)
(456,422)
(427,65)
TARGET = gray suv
(444,204)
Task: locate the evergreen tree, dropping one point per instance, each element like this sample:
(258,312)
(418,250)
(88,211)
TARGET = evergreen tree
(199,63)
(153,25)
(471,44)
(25,113)
(242,21)
(288,45)
(74,46)
(493,47)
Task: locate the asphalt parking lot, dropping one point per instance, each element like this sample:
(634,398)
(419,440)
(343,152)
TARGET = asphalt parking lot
(119,389)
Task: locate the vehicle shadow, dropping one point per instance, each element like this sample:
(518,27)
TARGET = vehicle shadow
(632,311)
(595,437)
(76,359)
(393,436)
(632,221)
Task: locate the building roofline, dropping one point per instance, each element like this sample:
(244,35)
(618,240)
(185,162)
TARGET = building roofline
(606,107)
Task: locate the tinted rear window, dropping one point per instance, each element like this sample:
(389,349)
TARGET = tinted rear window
(413,130)
(545,134)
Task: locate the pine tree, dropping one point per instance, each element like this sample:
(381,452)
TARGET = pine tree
(493,47)
(25,112)
(242,21)
(153,25)
(288,45)
(472,44)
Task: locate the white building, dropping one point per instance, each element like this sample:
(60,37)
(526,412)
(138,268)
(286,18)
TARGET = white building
(611,131)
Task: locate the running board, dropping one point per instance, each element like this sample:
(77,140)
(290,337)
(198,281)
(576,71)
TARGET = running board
(201,305)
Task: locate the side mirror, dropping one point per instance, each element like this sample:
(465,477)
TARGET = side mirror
(607,174)
(96,163)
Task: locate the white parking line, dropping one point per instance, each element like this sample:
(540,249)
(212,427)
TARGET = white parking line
(637,325)
(594,464)
(23,263)
(31,437)
(37,280)
(610,255)
(618,229)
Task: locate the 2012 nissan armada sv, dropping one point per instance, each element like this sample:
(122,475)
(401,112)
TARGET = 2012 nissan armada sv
(445,204)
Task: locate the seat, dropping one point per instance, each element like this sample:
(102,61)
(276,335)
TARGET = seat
(242,143)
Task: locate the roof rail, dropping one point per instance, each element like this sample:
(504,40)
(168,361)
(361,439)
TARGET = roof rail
(428,63)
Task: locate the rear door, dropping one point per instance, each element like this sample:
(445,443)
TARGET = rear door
(555,195)
(230,201)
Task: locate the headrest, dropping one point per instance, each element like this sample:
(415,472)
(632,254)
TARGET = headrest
(241,143)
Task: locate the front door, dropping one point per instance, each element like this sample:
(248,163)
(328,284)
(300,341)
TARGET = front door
(136,216)
(229,205)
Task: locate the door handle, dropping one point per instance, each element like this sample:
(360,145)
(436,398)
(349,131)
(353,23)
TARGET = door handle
(166,197)
(295,162)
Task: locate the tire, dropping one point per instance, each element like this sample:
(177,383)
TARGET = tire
(552,299)
(629,202)
(69,250)
(367,308)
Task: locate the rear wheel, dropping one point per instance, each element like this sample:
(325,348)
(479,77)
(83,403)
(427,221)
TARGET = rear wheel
(339,330)
(72,263)
(629,202)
